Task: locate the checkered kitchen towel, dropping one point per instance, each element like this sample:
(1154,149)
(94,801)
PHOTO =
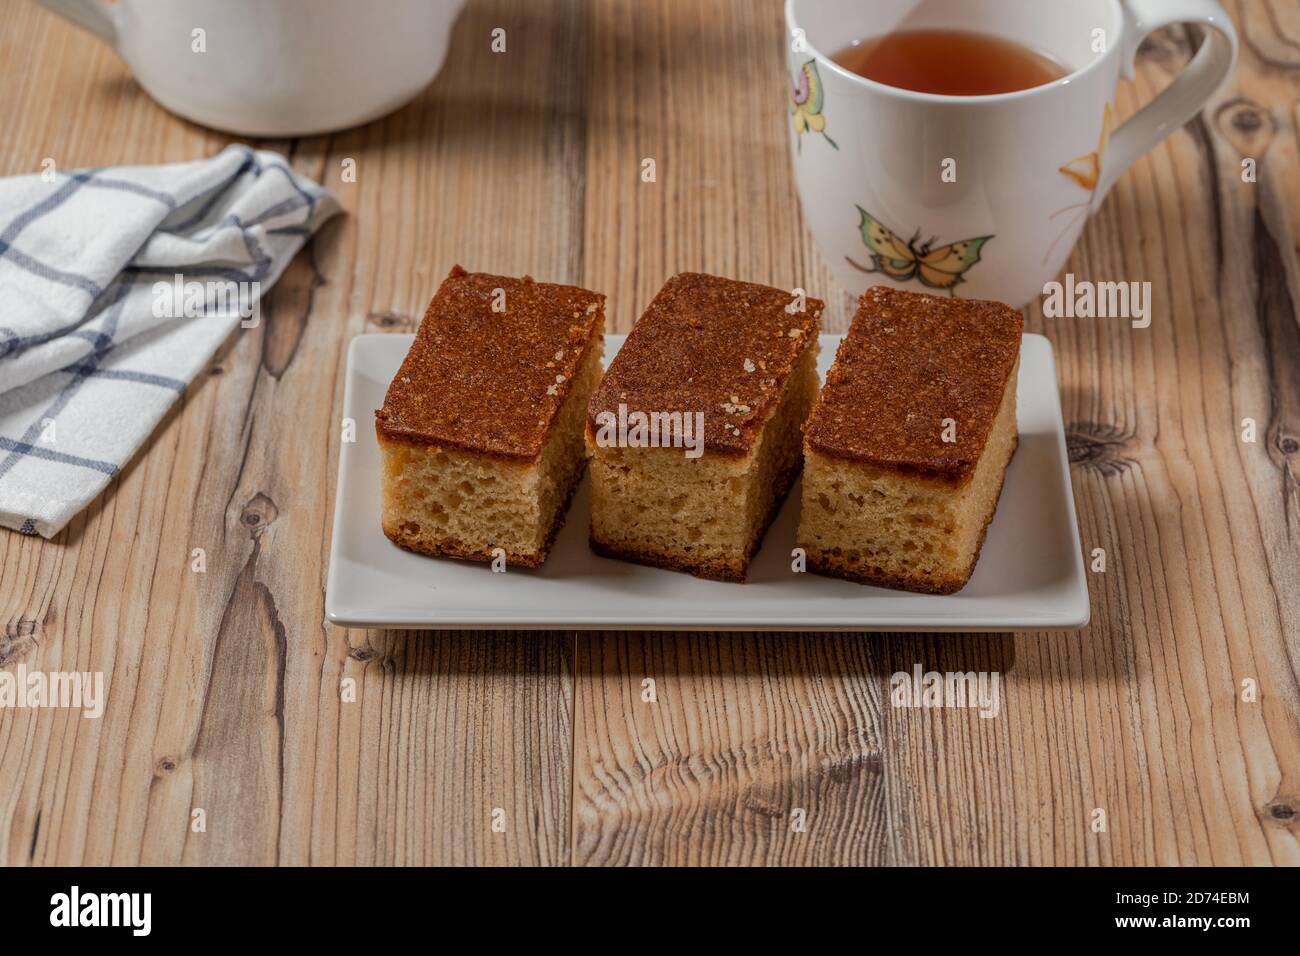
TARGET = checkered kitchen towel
(116,288)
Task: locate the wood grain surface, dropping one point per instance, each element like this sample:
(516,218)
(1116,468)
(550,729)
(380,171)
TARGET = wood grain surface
(539,748)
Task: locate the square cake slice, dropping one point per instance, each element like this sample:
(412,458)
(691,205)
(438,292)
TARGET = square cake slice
(481,433)
(907,448)
(694,432)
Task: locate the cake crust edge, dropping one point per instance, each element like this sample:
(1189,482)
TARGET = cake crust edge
(649,336)
(530,447)
(829,440)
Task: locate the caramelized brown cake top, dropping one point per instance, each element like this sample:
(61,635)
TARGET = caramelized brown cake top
(491,381)
(908,362)
(711,345)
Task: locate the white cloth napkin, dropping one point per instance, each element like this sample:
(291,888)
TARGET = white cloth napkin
(116,288)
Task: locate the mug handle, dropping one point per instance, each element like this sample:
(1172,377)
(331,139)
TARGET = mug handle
(1155,122)
(93,15)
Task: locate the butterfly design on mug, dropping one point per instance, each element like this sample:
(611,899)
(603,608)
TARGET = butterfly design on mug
(806,98)
(1086,172)
(942,268)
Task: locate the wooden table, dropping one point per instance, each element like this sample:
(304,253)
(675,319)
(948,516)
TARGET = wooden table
(224,686)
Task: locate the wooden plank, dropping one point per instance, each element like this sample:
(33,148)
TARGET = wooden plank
(1146,720)
(695,87)
(745,750)
(713,772)
(225,686)
(1139,715)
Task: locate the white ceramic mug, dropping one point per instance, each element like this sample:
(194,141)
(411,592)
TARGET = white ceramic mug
(983,196)
(275,67)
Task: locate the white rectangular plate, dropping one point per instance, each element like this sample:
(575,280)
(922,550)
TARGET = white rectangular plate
(1030,575)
